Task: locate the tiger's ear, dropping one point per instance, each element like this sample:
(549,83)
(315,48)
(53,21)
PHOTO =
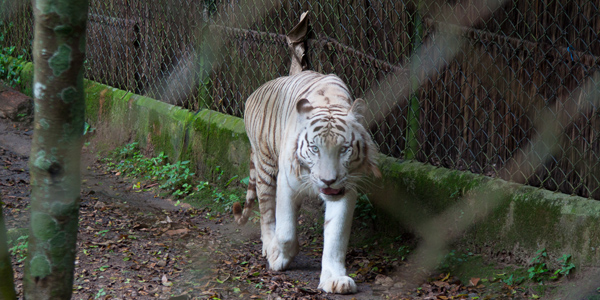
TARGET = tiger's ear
(359,107)
(303,106)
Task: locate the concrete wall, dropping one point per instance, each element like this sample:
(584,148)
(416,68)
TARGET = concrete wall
(208,139)
(505,220)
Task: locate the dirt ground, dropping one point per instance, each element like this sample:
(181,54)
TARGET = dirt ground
(134,244)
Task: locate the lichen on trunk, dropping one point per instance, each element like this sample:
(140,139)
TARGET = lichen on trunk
(59,53)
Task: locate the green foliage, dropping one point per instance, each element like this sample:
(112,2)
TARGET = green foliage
(453,258)
(177,178)
(512,279)
(101,293)
(245,181)
(403,252)
(219,196)
(129,161)
(365,211)
(87,128)
(10,65)
(566,267)
(19,249)
(539,271)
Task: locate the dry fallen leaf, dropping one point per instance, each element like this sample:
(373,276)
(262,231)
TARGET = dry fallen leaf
(440,283)
(165,281)
(474,281)
(178,231)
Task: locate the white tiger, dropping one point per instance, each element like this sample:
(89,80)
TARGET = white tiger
(307,140)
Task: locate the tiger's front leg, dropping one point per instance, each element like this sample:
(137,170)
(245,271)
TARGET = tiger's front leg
(338,221)
(284,246)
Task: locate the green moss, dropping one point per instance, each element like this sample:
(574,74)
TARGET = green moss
(42,161)
(57,245)
(44,123)
(165,110)
(61,60)
(222,141)
(64,209)
(40,266)
(43,225)
(435,189)
(64,8)
(68,94)
(27,79)
(161,136)
(100,100)
(63,30)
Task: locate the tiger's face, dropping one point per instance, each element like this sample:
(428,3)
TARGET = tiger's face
(335,147)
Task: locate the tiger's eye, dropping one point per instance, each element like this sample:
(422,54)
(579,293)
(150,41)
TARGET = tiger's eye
(314,149)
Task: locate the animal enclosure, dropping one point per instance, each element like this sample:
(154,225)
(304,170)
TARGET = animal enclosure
(477,111)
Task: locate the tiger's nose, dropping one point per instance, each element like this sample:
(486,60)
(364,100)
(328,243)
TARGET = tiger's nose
(328,182)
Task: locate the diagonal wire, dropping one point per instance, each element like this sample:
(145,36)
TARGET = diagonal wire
(185,75)
(438,232)
(428,59)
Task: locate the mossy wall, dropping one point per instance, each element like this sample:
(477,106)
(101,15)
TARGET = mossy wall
(504,220)
(208,139)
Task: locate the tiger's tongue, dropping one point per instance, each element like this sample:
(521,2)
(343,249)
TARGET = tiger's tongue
(330,191)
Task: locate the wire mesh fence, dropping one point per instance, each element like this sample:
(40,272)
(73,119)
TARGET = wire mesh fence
(477,111)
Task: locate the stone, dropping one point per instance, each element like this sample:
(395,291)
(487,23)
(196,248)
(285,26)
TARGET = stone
(14,105)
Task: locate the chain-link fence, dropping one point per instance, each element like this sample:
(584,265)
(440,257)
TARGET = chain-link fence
(475,111)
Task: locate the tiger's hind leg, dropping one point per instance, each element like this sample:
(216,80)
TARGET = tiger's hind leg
(241,217)
(266,193)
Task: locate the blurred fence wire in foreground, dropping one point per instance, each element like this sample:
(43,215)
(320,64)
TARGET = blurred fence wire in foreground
(507,89)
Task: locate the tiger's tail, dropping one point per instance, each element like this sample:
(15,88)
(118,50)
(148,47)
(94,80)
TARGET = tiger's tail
(241,216)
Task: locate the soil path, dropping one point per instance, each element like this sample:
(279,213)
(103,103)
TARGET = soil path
(134,244)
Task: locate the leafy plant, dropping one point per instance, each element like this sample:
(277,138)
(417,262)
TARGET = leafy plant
(364,208)
(100,293)
(539,269)
(513,280)
(403,252)
(10,65)
(87,128)
(566,267)
(19,250)
(245,181)
(453,258)
(176,177)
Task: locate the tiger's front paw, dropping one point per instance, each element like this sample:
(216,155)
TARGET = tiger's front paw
(338,285)
(264,249)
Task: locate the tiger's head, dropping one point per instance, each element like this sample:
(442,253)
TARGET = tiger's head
(335,146)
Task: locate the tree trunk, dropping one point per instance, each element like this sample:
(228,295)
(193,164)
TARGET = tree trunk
(7,287)
(58,55)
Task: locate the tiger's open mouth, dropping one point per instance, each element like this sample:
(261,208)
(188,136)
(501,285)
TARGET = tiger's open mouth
(332,192)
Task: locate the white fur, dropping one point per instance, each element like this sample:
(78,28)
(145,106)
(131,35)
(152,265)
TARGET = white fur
(310,145)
